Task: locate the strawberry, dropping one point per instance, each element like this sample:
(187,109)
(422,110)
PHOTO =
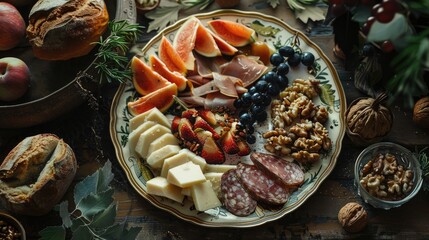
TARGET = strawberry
(202,135)
(244,148)
(185,131)
(175,124)
(228,144)
(208,115)
(211,152)
(190,114)
(201,123)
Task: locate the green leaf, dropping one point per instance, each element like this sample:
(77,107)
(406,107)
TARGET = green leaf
(105,176)
(273,3)
(85,187)
(266,31)
(104,219)
(327,94)
(64,214)
(389,31)
(82,232)
(95,203)
(310,12)
(53,233)
(162,17)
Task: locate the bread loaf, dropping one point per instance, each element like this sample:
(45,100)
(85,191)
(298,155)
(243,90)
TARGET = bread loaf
(35,174)
(64,29)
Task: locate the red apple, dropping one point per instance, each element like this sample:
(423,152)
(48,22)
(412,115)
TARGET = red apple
(12,26)
(14,78)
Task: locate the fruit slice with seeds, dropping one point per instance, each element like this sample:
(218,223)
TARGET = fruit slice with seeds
(162,99)
(234,33)
(170,57)
(163,70)
(205,43)
(146,80)
(184,41)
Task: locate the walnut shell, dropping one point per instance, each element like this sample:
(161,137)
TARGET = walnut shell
(368,120)
(421,112)
(353,217)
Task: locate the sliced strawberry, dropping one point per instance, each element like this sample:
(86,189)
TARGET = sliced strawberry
(185,130)
(190,114)
(208,115)
(202,135)
(201,123)
(211,152)
(228,144)
(244,148)
(175,124)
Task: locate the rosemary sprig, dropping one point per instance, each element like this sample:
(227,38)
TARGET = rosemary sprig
(110,61)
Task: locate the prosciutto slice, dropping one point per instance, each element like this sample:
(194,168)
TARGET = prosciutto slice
(246,68)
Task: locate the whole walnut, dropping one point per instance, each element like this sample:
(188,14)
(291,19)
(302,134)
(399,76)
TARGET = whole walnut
(421,112)
(353,217)
(368,120)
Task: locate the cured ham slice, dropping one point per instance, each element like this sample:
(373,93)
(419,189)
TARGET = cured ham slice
(245,68)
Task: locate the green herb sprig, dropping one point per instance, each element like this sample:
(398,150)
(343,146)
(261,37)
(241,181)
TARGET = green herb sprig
(93,216)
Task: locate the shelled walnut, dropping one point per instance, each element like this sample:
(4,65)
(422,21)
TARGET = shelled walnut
(353,217)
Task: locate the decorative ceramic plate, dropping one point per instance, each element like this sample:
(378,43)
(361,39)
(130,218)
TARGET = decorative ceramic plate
(276,33)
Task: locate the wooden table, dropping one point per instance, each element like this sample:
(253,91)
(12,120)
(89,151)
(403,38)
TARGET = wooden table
(315,219)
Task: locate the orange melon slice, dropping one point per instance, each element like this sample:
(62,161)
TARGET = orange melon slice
(170,57)
(205,43)
(234,33)
(184,41)
(162,69)
(145,79)
(162,99)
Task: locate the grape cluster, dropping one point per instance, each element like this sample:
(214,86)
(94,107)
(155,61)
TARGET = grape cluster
(253,103)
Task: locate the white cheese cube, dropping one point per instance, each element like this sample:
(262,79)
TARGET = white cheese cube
(215,180)
(157,116)
(195,158)
(134,136)
(185,175)
(219,168)
(174,161)
(148,136)
(186,191)
(204,197)
(159,186)
(166,139)
(138,120)
(157,157)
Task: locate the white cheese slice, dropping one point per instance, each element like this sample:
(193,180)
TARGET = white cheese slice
(159,186)
(195,158)
(174,161)
(157,157)
(185,175)
(134,136)
(186,191)
(221,168)
(204,196)
(215,179)
(157,116)
(138,120)
(148,136)
(166,139)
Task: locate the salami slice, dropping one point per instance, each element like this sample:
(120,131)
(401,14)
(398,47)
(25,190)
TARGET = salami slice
(262,187)
(287,172)
(235,198)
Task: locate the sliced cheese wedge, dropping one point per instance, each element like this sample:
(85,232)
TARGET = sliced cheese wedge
(156,158)
(161,187)
(157,116)
(134,136)
(148,136)
(185,175)
(195,158)
(204,197)
(220,168)
(215,180)
(166,139)
(174,161)
(138,120)
(186,191)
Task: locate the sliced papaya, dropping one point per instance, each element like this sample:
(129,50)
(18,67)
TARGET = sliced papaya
(224,47)
(170,57)
(145,79)
(205,43)
(162,99)
(162,69)
(234,33)
(184,41)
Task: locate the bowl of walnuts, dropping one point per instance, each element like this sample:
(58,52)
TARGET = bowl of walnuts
(387,175)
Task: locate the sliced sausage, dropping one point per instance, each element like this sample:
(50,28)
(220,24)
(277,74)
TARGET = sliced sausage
(261,187)
(235,198)
(290,174)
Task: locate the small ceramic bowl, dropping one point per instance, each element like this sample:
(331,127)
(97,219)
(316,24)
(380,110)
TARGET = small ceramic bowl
(403,157)
(6,220)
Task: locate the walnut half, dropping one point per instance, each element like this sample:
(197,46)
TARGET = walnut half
(353,217)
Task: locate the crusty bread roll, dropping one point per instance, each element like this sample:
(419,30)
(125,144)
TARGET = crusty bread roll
(64,29)
(35,174)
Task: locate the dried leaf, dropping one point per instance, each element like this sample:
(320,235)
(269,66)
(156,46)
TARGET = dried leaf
(162,17)
(310,12)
